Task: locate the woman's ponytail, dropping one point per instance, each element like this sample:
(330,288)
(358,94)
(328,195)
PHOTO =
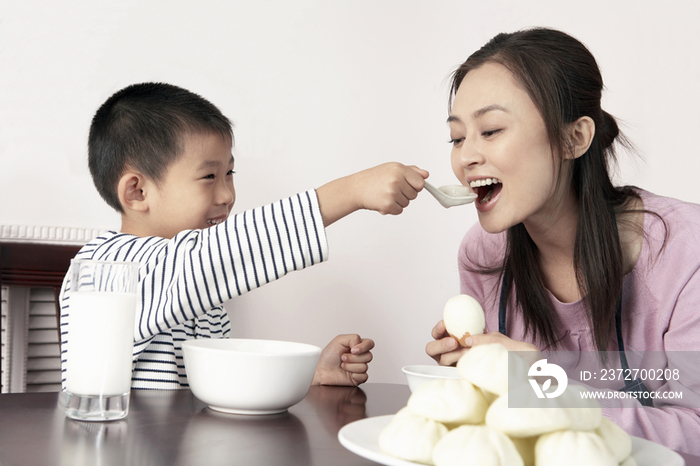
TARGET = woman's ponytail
(608,130)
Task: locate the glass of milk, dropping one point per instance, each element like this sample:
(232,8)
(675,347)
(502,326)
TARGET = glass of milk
(99,339)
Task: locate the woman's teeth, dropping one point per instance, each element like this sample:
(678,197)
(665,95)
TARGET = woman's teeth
(484,182)
(215,221)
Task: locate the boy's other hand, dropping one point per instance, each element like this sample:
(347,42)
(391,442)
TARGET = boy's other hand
(344,361)
(387,189)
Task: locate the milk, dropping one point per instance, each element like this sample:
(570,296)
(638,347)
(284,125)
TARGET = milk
(100,343)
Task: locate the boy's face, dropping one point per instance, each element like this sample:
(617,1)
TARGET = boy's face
(197,191)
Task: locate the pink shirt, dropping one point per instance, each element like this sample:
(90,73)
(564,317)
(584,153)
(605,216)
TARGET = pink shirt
(660,312)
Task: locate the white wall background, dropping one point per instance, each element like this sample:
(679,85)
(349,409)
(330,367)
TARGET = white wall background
(317,90)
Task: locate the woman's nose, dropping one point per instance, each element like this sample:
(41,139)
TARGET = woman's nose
(469,155)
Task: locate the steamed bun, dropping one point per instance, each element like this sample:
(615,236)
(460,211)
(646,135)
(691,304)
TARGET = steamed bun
(450,401)
(411,437)
(526,448)
(616,439)
(569,411)
(630,461)
(486,366)
(573,448)
(472,445)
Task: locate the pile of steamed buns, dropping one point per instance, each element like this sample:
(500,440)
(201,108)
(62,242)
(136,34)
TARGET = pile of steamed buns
(467,421)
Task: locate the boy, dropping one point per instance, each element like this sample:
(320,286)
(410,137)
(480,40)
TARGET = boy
(161,156)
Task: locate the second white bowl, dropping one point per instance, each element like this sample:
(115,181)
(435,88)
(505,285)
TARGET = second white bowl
(420,374)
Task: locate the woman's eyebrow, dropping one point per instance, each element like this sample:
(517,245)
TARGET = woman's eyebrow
(479,113)
(488,108)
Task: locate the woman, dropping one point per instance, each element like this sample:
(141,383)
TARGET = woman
(561,258)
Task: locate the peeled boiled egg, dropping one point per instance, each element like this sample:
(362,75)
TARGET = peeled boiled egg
(463,317)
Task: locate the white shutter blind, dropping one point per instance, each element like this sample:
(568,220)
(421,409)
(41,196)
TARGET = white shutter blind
(14,338)
(3,338)
(43,350)
(31,356)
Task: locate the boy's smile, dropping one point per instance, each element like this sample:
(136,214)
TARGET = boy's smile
(197,191)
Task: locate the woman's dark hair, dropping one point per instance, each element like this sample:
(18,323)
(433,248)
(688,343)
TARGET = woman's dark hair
(143,127)
(563,80)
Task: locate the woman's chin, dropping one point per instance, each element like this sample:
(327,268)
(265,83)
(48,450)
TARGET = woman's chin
(491,224)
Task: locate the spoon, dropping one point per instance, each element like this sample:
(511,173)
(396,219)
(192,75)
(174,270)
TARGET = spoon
(451,195)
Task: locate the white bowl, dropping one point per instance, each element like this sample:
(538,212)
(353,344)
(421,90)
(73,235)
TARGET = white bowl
(243,376)
(418,375)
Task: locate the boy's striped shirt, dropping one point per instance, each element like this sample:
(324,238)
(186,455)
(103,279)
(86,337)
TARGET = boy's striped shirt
(184,281)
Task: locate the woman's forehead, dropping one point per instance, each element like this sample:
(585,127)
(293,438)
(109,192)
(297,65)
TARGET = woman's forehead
(488,88)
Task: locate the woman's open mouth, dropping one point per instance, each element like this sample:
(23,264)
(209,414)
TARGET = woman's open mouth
(486,189)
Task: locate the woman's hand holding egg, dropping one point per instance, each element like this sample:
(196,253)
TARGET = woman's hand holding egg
(462,327)
(444,349)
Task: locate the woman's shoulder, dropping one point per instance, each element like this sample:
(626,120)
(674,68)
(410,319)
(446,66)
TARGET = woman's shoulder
(672,228)
(669,208)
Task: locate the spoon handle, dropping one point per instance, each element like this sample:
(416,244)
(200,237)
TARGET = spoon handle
(438,195)
(432,190)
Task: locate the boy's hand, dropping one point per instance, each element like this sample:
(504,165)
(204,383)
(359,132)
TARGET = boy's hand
(344,361)
(387,189)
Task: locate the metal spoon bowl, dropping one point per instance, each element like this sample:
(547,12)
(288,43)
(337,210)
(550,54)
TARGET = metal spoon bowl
(451,195)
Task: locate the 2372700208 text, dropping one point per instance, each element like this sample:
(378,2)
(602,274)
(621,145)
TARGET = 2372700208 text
(631,374)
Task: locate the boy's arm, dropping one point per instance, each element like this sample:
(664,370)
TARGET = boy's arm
(197,270)
(387,189)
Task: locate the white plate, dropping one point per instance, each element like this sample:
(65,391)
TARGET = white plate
(362,438)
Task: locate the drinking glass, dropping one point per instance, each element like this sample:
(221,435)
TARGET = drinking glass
(100,339)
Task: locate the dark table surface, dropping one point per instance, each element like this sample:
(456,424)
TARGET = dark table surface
(175,428)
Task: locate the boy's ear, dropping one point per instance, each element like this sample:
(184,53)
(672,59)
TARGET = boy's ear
(131,192)
(582,132)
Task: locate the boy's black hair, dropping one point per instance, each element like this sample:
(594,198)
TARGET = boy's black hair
(142,127)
